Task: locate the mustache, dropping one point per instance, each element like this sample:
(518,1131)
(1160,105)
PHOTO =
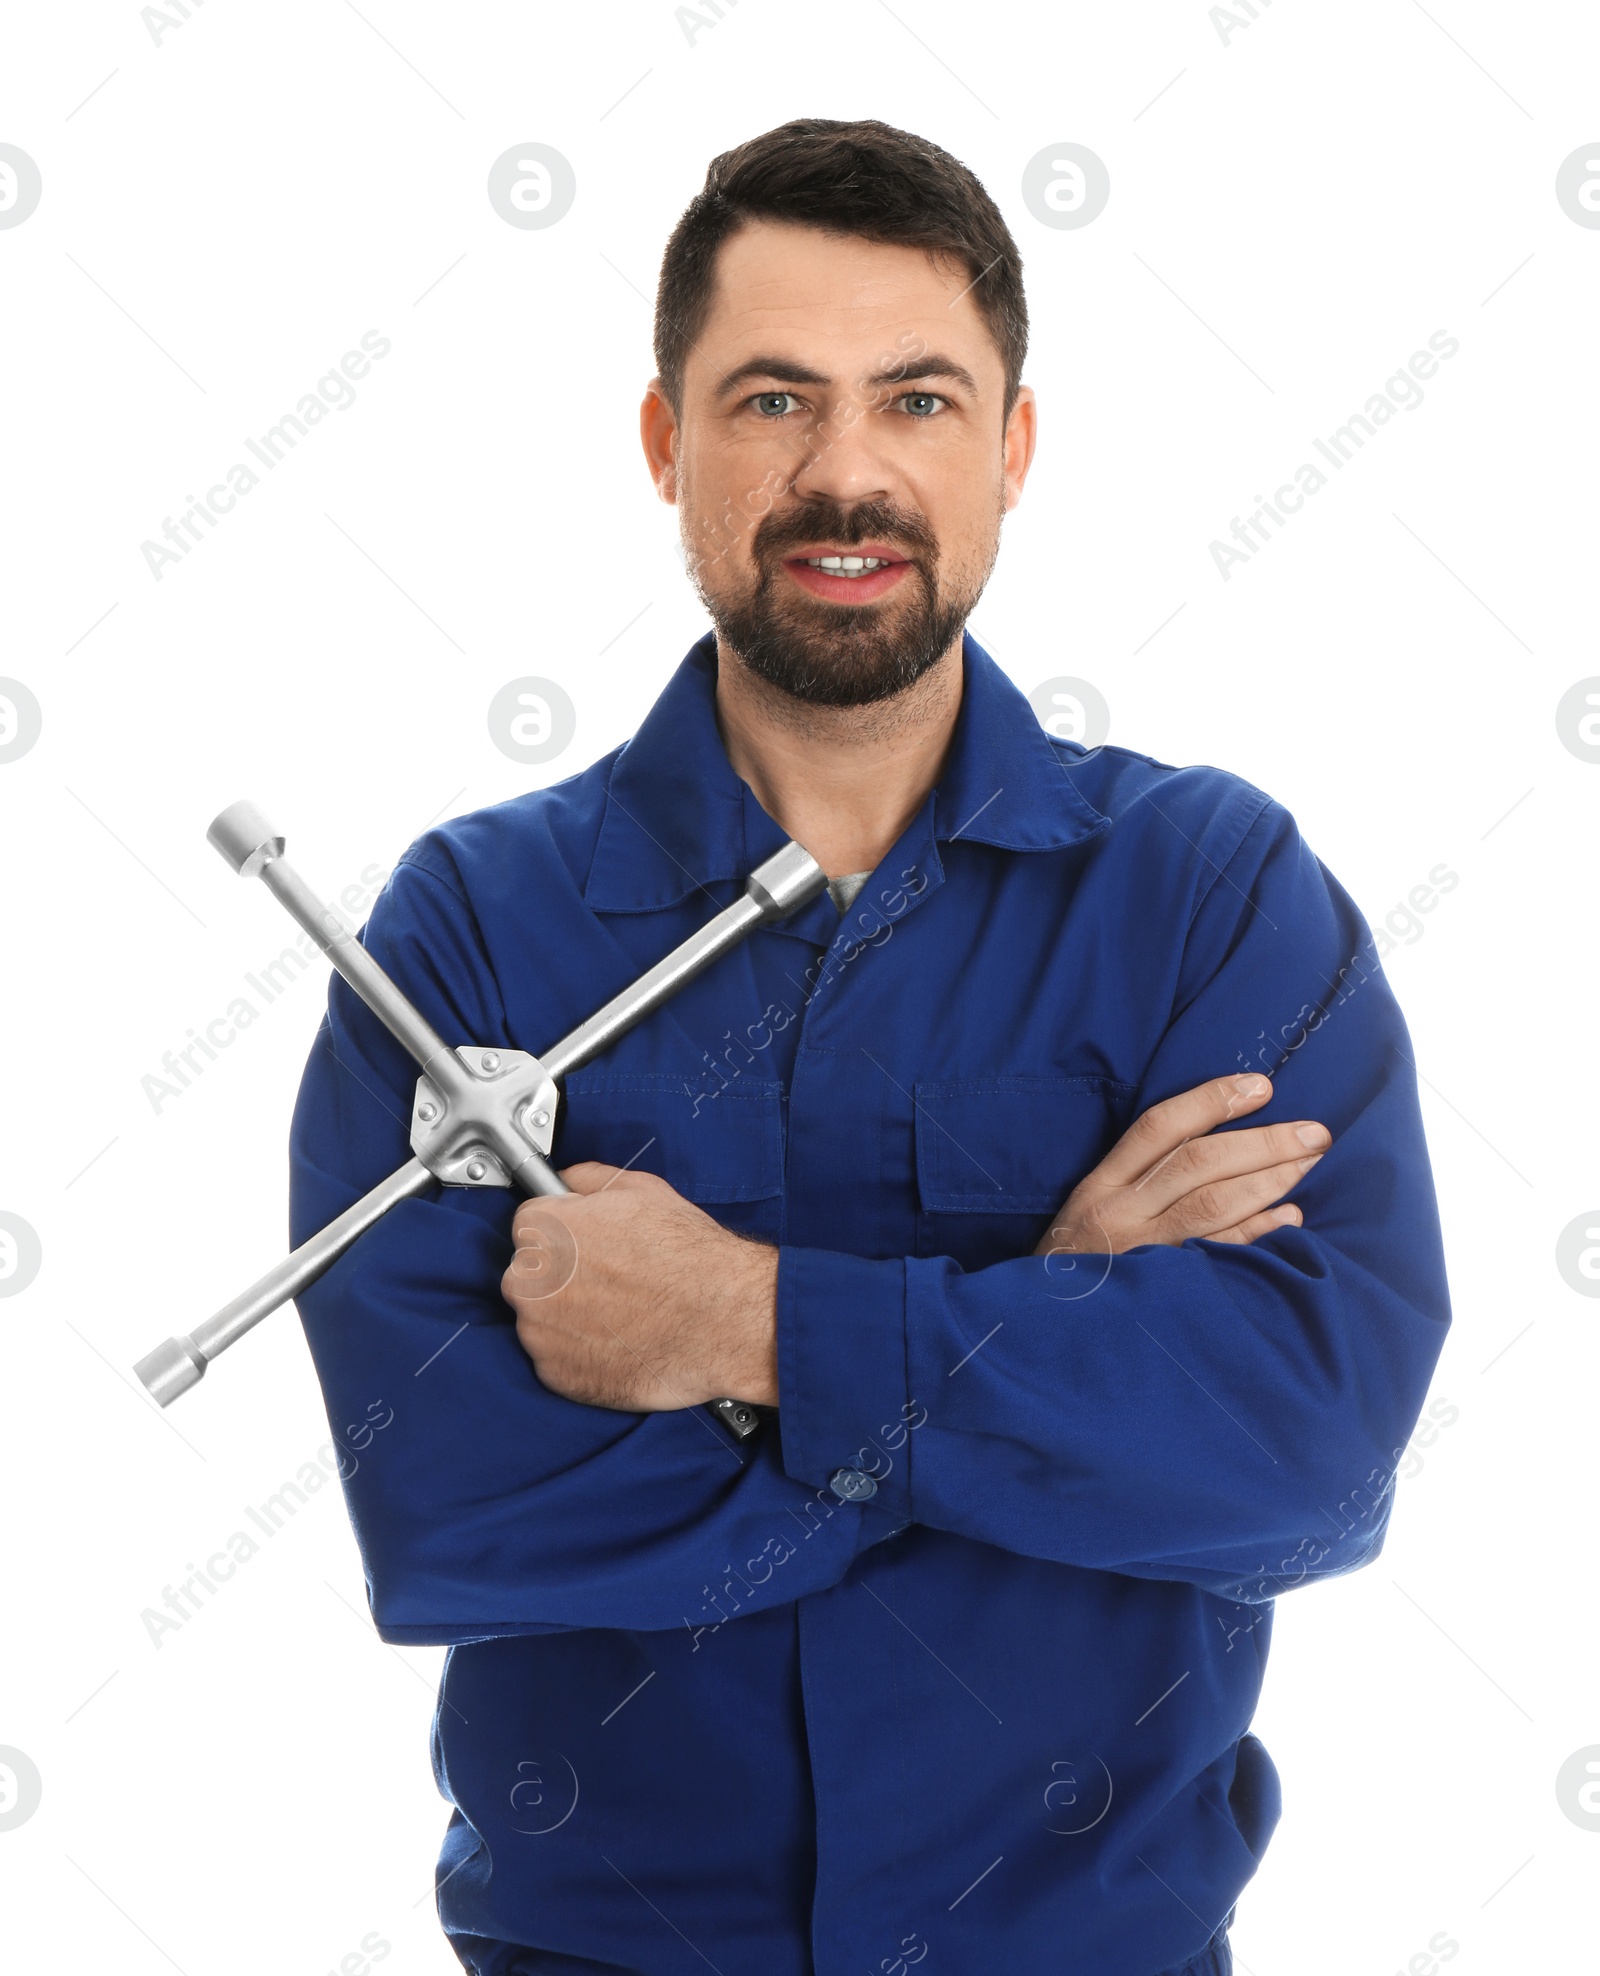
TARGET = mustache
(877,521)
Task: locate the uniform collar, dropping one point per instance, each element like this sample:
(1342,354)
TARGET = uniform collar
(678,819)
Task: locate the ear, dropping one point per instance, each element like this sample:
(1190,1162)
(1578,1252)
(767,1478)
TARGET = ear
(1020,439)
(658,434)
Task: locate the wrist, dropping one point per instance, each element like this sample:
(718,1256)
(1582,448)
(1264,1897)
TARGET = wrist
(750,1331)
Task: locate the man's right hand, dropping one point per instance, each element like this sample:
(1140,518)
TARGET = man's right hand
(1165,1180)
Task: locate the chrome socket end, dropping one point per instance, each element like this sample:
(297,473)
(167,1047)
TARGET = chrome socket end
(170,1369)
(789,879)
(245,838)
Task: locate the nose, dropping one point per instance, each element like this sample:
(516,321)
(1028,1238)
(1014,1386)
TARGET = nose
(848,458)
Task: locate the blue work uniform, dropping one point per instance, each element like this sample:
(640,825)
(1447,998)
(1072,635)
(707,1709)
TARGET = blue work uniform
(952,1668)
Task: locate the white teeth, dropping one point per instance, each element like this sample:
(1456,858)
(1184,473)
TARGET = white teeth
(847,565)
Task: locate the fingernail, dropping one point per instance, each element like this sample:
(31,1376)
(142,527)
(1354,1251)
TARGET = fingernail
(1312,1135)
(1251,1086)
(1310,1162)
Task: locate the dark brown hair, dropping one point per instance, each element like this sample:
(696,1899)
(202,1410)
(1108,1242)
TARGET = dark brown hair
(865,179)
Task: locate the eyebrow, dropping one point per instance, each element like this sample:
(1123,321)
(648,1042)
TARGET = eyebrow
(788,370)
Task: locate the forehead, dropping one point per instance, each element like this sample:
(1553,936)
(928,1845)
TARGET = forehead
(835,299)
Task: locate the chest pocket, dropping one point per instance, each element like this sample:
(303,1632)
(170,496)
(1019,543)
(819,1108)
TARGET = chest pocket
(996,1156)
(724,1154)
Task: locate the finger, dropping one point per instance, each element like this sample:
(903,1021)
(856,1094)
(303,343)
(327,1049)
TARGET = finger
(1286,1215)
(594,1177)
(536,1213)
(546,1257)
(588,1176)
(1223,1156)
(1163,1128)
(1226,1203)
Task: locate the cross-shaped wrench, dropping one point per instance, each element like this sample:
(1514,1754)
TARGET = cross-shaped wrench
(482,1116)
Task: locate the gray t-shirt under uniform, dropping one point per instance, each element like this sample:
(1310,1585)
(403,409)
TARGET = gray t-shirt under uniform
(842,891)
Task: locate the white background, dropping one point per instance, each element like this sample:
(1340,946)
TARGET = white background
(235,204)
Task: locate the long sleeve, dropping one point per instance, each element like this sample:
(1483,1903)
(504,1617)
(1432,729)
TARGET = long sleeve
(484,1504)
(1224,1415)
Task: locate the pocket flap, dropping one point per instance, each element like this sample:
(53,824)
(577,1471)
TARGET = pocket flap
(1013,1145)
(731,1149)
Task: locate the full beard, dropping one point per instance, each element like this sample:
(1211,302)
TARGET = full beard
(843,655)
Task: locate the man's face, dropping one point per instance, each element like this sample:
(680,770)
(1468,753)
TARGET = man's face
(842,401)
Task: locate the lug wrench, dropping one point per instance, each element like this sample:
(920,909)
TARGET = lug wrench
(482,1116)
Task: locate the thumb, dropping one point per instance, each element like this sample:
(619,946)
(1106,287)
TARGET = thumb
(589,1176)
(594,1176)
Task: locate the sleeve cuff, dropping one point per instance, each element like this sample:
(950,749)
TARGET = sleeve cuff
(844,1410)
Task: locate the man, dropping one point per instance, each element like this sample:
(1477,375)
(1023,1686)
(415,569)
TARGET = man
(966,1172)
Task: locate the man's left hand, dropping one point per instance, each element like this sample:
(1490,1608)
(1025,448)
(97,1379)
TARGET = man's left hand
(628,1296)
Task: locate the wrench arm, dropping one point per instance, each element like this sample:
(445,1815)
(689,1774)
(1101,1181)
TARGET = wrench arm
(180,1363)
(788,880)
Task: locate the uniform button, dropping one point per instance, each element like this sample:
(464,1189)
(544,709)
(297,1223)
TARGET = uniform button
(851,1486)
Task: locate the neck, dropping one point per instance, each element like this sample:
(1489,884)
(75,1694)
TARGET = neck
(842,781)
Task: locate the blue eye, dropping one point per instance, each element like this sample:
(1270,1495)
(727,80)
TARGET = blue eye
(774,404)
(921,404)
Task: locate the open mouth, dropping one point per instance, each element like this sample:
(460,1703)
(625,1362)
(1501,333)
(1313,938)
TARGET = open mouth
(855,575)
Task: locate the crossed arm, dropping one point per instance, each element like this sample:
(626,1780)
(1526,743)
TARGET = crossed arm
(628,1296)
(1198,1419)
